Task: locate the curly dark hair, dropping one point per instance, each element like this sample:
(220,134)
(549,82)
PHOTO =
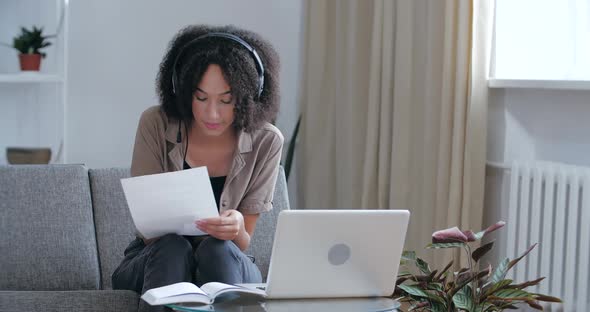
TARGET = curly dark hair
(238,67)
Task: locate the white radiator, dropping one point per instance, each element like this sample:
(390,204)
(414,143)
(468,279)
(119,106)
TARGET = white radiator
(549,203)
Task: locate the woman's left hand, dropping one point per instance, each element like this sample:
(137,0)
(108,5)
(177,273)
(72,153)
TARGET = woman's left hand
(225,227)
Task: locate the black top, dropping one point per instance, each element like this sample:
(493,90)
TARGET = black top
(217,184)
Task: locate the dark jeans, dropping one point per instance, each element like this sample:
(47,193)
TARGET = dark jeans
(172,259)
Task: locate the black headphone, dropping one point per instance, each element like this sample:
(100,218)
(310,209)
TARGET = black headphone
(258,61)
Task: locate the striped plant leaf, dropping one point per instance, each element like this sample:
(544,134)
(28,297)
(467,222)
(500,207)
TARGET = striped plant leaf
(479,235)
(497,286)
(512,294)
(485,307)
(500,271)
(547,298)
(436,286)
(409,255)
(414,291)
(444,245)
(423,266)
(535,305)
(462,299)
(438,307)
(528,284)
(444,270)
(481,251)
(515,261)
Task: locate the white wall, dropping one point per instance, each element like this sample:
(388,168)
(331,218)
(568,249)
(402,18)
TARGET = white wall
(533,124)
(116,47)
(540,124)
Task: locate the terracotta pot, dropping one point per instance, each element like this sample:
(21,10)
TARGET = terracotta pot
(30,62)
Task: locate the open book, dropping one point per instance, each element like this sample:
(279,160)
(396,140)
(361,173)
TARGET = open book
(189,293)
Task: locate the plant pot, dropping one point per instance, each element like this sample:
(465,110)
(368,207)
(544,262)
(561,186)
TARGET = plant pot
(30,62)
(22,156)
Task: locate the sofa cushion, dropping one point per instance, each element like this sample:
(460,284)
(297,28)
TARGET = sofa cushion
(58,301)
(114,225)
(47,238)
(261,244)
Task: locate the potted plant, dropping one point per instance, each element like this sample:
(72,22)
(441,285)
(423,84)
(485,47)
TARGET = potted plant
(471,289)
(29,43)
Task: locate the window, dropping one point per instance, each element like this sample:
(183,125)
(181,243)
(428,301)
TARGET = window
(542,39)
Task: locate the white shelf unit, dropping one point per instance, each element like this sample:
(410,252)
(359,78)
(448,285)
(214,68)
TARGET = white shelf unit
(30,78)
(33,104)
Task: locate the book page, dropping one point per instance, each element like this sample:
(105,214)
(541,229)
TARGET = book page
(214,289)
(191,306)
(175,290)
(170,202)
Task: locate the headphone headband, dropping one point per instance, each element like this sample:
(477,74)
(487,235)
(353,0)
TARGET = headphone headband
(234,38)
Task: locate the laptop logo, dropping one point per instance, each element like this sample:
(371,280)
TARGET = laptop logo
(339,254)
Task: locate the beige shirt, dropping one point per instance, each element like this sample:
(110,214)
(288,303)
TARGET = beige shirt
(250,183)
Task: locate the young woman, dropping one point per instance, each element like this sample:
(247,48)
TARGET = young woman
(218,88)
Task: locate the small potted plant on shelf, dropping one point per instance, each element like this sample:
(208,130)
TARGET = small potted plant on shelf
(472,289)
(29,43)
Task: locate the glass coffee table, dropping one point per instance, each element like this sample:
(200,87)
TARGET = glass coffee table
(250,303)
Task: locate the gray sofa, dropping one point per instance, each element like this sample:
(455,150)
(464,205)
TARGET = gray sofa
(63,232)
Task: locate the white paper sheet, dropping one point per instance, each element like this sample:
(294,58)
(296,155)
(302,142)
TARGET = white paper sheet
(170,202)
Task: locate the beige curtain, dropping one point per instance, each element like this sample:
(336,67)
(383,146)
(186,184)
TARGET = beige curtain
(394,104)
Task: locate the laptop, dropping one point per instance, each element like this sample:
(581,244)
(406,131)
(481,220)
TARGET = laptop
(335,253)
